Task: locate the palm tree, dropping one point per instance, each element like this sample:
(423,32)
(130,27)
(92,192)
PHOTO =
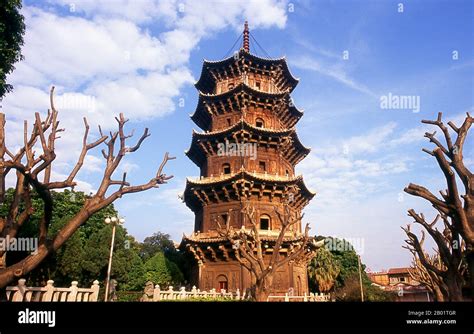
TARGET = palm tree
(323,270)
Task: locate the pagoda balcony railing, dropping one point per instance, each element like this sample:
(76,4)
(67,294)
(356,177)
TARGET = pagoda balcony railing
(267,176)
(263,233)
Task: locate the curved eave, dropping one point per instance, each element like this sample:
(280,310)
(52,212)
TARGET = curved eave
(304,188)
(292,80)
(198,157)
(247,176)
(211,240)
(202,119)
(242,125)
(305,150)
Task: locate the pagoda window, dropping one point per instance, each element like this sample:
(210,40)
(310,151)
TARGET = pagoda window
(230,86)
(229,121)
(226,168)
(262,167)
(264,222)
(257,85)
(259,123)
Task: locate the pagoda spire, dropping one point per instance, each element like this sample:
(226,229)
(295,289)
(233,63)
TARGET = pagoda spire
(246,43)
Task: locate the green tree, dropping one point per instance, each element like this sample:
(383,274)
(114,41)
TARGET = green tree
(323,270)
(347,281)
(162,271)
(84,257)
(12,29)
(127,266)
(161,242)
(158,242)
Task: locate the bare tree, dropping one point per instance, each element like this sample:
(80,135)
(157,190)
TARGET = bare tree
(431,271)
(455,208)
(250,251)
(33,174)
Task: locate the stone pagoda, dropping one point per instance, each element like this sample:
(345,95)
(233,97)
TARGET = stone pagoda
(246,153)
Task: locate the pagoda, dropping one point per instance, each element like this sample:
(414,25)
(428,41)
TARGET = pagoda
(246,153)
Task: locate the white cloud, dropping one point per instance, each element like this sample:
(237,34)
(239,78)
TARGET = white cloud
(135,11)
(106,57)
(371,141)
(335,71)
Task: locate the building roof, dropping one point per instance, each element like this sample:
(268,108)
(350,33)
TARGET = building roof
(239,179)
(294,151)
(264,236)
(397,271)
(225,100)
(205,77)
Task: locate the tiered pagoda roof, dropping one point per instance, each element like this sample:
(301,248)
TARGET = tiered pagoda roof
(213,71)
(242,184)
(286,140)
(240,97)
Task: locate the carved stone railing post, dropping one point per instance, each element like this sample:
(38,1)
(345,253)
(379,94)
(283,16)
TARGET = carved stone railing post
(156,293)
(170,293)
(305,298)
(95,291)
(73,292)
(182,293)
(237,294)
(287,298)
(194,291)
(20,293)
(49,293)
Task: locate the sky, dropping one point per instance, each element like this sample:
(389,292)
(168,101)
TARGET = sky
(143,57)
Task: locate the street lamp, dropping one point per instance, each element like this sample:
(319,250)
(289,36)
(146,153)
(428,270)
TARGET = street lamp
(114,221)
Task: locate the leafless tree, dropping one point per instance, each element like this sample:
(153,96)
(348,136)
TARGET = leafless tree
(33,174)
(250,250)
(422,269)
(455,208)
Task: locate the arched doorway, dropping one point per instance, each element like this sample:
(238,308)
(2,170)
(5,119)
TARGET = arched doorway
(222,283)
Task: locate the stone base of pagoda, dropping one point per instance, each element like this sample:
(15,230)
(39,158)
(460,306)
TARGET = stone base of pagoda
(231,275)
(215,267)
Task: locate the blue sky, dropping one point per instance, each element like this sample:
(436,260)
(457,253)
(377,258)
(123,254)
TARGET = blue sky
(142,58)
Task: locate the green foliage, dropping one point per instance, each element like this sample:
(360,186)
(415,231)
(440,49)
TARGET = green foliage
(129,296)
(12,29)
(338,255)
(84,257)
(162,271)
(323,270)
(158,242)
(161,242)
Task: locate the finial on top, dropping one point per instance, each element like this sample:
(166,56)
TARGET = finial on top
(246,37)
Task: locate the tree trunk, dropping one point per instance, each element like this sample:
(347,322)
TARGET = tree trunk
(262,287)
(3,261)
(470,266)
(261,291)
(29,263)
(437,294)
(454,286)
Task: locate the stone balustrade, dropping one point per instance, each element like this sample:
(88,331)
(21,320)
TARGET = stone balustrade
(182,294)
(50,293)
(153,294)
(312,297)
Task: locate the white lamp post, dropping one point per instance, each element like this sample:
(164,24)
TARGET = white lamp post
(114,221)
